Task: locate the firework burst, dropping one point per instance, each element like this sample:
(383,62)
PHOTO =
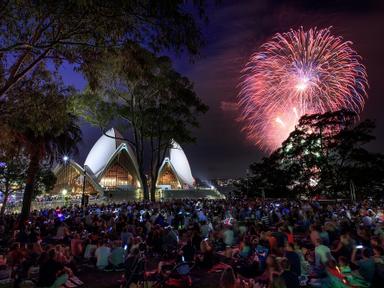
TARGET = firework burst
(296,73)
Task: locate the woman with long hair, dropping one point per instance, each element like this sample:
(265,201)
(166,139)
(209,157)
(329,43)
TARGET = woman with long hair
(228,279)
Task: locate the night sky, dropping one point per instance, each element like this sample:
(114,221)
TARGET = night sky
(235,30)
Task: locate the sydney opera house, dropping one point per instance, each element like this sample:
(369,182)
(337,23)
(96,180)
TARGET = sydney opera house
(111,168)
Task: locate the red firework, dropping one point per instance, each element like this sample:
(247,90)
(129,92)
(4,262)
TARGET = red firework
(297,73)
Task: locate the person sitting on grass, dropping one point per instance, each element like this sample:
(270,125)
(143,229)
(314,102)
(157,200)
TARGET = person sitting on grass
(102,254)
(52,273)
(117,257)
(134,267)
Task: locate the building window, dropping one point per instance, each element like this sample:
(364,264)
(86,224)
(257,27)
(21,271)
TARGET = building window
(117,177)
(168,177)
(72,180)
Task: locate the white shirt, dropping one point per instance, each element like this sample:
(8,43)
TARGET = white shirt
(102,253)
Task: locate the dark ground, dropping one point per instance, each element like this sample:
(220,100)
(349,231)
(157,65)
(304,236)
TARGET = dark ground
(100,279)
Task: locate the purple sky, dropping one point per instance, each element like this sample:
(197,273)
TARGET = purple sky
(235,30)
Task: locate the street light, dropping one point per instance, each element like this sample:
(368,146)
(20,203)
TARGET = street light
(64,192)
(65,158)
(83,193)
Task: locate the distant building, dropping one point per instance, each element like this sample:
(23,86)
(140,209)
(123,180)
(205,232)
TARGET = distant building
(111,167)
(175,180)
(175,172)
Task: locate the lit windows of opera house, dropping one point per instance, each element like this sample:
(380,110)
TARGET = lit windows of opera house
(111,167)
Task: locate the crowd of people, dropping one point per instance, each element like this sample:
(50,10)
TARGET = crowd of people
(249,243)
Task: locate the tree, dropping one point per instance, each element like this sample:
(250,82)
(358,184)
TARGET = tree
(324,155)
(33,32)
(153,103)
(266,179)
(45,180)
(12,173)
(12,178)
(12,168)
(325,147)
(41,124)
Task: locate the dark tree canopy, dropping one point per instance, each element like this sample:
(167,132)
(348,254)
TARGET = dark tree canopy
(38,120)
(32,32)
(324,155)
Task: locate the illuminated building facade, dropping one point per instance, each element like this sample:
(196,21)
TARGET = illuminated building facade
(110,166)
(175,172)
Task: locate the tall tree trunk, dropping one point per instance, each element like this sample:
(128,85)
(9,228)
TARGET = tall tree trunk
(5,199)
(145,184)
(33,169)
(153,188)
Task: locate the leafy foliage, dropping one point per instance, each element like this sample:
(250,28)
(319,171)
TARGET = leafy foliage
(324,155)
(32,32)
(39,123)
(149,99)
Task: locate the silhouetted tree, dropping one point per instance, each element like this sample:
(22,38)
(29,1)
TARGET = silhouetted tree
(33,32)
(153,103)
(41,124)
(325,154)
(12,172)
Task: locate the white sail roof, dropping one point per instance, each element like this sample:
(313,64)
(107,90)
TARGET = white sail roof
(180,164)
(102,151)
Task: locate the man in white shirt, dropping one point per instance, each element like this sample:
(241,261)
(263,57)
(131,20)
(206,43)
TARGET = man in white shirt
(228,236)
(102,254)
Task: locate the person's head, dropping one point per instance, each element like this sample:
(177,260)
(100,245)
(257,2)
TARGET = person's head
(313,227)
(375,241)
(289,246)
(378,251)
(255,241)
(205,246)
(284,264)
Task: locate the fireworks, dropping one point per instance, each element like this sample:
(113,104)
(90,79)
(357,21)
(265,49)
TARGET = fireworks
(297,73)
